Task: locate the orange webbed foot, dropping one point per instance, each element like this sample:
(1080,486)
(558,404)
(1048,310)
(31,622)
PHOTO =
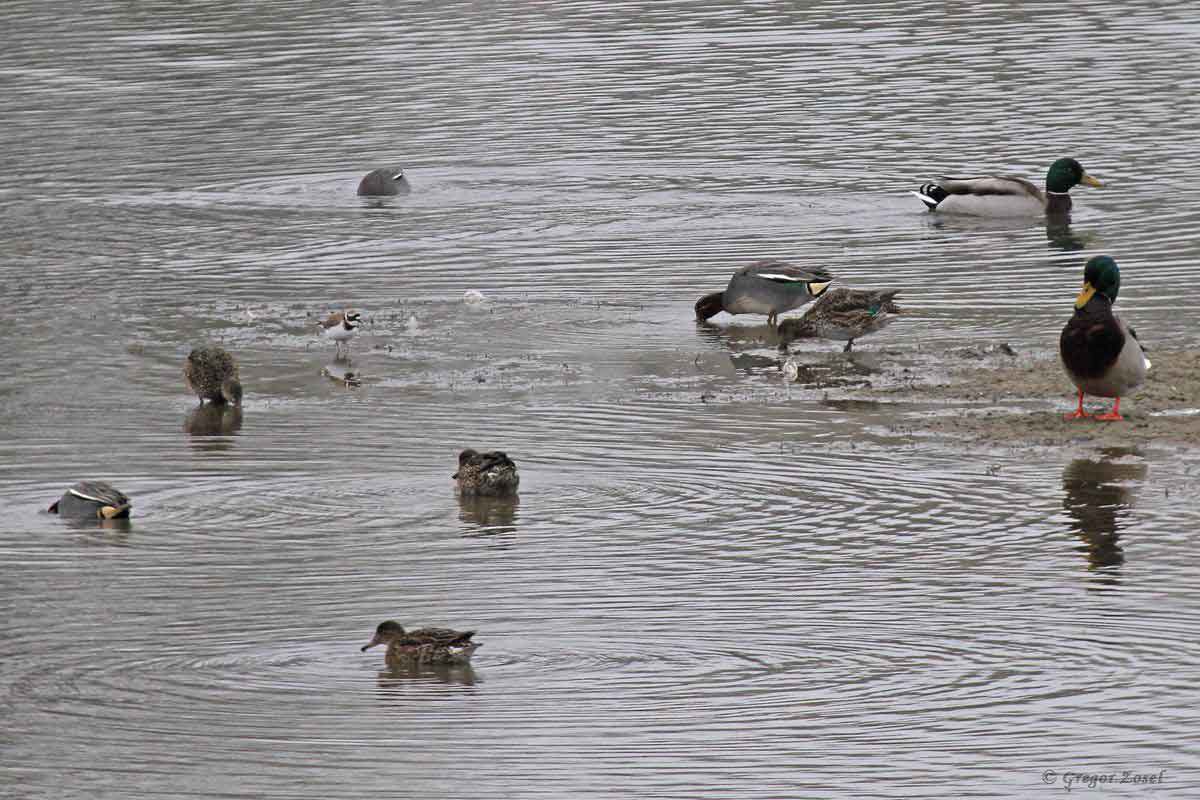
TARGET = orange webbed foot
(1078,414)
(1109,417)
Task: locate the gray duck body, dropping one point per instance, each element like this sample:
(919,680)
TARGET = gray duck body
(382,183)
(769,287)
(92,499)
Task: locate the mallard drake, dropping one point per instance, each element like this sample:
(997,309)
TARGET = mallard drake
(491,474)
(212,374)
(382,183)
(1003,196)
(341,327)
(843,314)
(1100,353)
(765,287)
(92,499)
(422,646)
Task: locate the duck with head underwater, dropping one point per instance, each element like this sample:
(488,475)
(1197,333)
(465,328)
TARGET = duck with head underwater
(1004,195)
(1100,353)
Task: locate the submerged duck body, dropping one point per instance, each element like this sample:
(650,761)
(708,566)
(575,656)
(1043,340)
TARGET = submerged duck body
(1100,353)
(486,474)
(92,499)
(424,646)
(768,287)
(843,315)
(382,183)
(1006,195)
(211,373)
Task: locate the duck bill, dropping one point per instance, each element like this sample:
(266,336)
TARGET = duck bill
(374,641)
(1085,296)
(1090,181)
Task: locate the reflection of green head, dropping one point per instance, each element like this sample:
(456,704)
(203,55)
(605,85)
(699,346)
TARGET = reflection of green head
(1065,173)
(1102,276)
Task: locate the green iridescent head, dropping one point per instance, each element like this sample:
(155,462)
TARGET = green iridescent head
(1066,173)
(1101,275)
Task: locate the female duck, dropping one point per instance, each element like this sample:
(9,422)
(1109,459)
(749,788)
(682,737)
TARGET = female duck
(423,646)
(1004,196)
(492,474)
(1100,353)
(92,499)
(212,374)
(765,287)
(844,315)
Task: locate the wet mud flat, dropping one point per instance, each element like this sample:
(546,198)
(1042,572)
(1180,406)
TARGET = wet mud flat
(996,396)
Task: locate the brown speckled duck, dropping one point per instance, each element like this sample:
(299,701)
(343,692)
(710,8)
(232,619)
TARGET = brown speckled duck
(1100,353)
(422,646)
(92,499)
(489,474)
(844,315)
(212,374)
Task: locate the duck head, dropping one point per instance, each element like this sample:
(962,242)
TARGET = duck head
(1067,172)
(231,391)
(1102,275)
(385,633)
(710,305)
(464,458)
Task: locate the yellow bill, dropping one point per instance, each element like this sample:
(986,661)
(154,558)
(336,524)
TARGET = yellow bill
(1085,295)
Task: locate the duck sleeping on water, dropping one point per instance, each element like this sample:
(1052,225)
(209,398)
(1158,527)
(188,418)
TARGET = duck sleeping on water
(1003,196)
(765,287)
(212,374)
(486,474)
(1100,353)
(423,646)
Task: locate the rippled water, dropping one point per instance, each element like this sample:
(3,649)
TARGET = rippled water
(712,584)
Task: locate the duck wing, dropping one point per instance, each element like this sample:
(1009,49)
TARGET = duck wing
(771,269)
(438,636)
(990,185)
(99,491)
(842,301)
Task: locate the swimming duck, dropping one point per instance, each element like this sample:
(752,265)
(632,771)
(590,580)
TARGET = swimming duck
(341,327)
(92,499)
(382,182)
(765,287)
(212,373)
(1100,353)
(1004,196)
(422,646)
(843,314)
(491,473)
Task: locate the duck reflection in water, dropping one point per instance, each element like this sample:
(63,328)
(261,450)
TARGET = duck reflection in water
(213,420)
(492,516)
(1059,235)
(1097,497)
(395,679)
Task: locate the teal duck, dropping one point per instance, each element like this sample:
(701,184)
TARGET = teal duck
(382,183)
(423,646)
(1005,196)
(844,315)
(492,473)
(88,499)
(212,374)
(768,287)
(1100,353)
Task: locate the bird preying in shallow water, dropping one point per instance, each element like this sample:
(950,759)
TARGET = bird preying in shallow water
(491,474)
(212,374)
(768,287)
(1002,195)
(423,646)
(844,315)
(1100,353)
(92,499)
